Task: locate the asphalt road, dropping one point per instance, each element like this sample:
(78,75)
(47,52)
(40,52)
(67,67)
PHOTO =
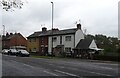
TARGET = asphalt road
(40,67)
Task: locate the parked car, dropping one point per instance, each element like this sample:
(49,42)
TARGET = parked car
(5,51)
(23,53)
(12,52)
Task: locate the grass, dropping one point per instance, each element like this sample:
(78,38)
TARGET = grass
(49,57)
(35,56)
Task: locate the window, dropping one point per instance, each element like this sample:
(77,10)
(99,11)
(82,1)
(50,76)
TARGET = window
(60,39)
(54,39)
(34,50)
(34,39)
(68,38)
(67,49)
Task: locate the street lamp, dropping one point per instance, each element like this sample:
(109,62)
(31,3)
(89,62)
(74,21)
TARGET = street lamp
(52,13)
(52,25)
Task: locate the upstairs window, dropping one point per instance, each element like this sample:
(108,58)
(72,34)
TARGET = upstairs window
(68,38)
(32,40)
(54,39)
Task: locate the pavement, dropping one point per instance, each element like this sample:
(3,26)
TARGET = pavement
(13,66)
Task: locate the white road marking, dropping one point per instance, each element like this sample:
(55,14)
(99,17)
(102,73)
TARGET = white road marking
(50,73)
(66,73)
(100,74)
(51,64)
(104,67)
(28,65)
(61,66)
(22,63)
(82,71)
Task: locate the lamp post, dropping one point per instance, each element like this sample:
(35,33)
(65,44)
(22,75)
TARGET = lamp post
(52,25)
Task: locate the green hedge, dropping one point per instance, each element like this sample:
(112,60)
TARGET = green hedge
(107,58)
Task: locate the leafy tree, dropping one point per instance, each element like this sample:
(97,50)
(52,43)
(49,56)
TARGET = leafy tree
(109,44)
(11,4)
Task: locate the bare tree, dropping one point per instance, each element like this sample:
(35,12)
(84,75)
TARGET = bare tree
(11,4)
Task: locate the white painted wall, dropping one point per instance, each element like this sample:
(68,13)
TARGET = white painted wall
(64,42)
(68,43)
(78,36)
(54,43)
(93,45)
(49,44)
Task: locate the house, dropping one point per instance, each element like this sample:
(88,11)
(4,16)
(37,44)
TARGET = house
(57,42)
(13,40)
(64,40)
(33,42)
(86,48)
(43,41)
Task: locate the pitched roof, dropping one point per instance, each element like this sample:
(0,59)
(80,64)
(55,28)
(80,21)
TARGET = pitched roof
(8,37)
(35,34)
(54,32)
(58,32)
(84,44)
(64,32)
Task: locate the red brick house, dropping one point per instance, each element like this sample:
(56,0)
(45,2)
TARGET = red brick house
(13,40)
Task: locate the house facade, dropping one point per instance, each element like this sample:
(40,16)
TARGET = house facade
(57,42)
(12,40)
(38,42)
(33,42)
(64,40)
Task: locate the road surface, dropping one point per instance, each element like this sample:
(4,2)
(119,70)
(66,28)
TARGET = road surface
(64,68)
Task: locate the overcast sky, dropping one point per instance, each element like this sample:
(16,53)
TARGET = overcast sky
(97,16)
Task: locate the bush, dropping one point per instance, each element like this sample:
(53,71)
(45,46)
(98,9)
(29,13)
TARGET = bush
(107,58)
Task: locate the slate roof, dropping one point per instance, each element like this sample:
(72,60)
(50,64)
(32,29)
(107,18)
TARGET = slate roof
(55,32)
(35,34)
(84,44)
(64,32)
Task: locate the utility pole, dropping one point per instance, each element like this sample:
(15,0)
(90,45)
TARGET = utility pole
(52,24)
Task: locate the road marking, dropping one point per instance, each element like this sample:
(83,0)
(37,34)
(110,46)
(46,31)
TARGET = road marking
(82,71)
(104,67)
(28,65)
(51,64)
(61,66)
(66,73)
(22,63)
(100,74)
(50,73)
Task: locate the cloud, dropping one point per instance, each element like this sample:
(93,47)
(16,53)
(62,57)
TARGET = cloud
(97,16)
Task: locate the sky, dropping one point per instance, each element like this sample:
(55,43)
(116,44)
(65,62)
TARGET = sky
(96,16)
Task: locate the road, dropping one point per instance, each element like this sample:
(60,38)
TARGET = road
(64,68)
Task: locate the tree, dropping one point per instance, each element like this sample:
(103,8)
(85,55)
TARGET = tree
(11,4)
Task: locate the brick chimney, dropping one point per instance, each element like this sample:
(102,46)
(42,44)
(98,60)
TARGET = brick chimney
(55,29)
(79,26)
(44,29)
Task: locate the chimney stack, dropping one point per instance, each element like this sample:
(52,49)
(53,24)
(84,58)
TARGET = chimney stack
(79,26)
(44,29)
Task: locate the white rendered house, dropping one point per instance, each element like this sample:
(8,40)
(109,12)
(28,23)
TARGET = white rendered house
(66,39)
